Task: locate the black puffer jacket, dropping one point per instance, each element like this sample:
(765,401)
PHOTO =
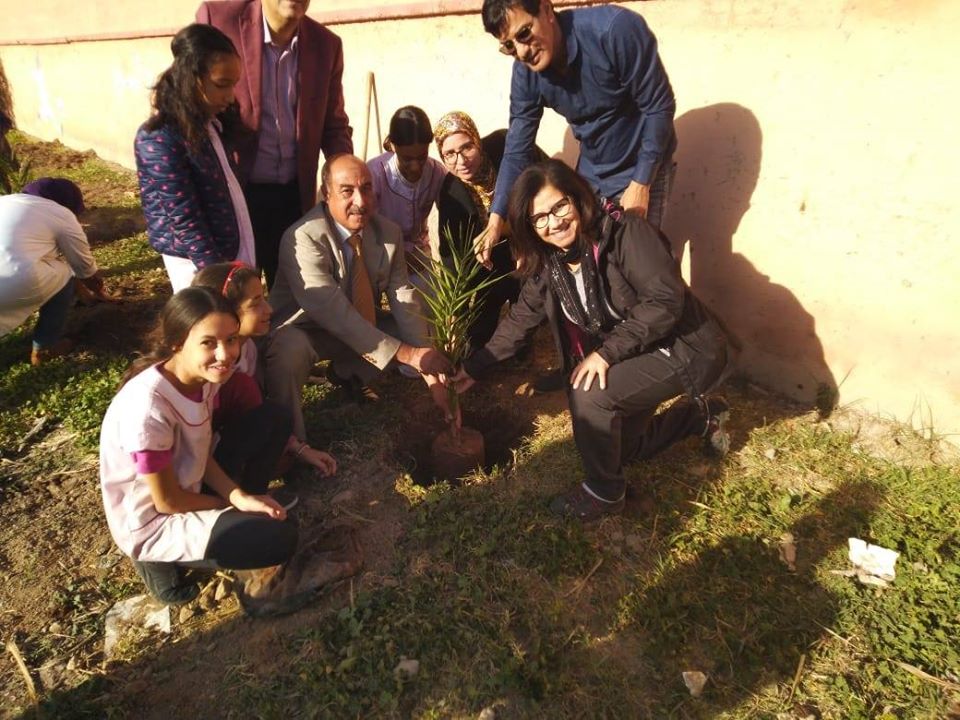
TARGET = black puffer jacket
(641,281)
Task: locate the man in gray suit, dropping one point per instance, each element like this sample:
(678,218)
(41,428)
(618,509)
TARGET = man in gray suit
(335,264)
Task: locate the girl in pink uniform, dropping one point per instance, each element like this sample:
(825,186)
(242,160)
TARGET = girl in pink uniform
(168,502)
(241,285)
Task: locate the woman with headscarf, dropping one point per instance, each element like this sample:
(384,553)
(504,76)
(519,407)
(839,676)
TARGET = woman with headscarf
(464,206)
(42,249)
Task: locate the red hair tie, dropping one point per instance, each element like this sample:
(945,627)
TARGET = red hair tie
(234,266)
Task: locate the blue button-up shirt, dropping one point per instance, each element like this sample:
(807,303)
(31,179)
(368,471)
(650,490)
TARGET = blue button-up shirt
(614,93)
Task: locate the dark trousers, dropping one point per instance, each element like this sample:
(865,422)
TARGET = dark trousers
(52,318)
(249,450)
(291,351)
(251,444)
(493,298)
(619,425)
(273,208)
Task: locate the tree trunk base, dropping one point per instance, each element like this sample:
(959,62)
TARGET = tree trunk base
(452,459)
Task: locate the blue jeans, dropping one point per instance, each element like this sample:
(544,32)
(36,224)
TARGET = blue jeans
(53,317)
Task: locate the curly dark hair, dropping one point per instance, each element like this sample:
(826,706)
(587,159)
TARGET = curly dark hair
(528,248)
(176,99)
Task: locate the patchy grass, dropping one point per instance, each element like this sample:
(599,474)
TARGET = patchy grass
(491,600)
(74,392)
(105,184)
(502,605)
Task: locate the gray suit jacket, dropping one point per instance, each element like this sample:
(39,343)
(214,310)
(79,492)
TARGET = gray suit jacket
(312,287)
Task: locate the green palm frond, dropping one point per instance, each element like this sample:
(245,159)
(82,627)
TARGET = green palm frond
(14,173)
(450,296)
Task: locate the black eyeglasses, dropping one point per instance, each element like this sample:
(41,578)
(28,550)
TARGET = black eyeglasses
(524,36)
(466,152)
(560,209)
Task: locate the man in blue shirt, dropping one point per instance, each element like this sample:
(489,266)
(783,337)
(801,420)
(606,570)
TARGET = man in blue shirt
(599,68)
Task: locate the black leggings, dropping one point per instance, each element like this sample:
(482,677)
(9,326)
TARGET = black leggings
(249,450)
(251,445)
(273,208)
(493,298)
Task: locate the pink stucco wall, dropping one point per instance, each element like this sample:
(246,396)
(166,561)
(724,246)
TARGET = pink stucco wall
(818,159)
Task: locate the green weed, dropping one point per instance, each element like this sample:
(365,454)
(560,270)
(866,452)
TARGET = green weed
(75,391)
(505,606)
(490,603)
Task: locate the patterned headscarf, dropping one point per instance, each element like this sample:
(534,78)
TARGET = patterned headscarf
(483,183)
(60,190)
(454,122)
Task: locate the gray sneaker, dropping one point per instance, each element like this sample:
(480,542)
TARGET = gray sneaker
(716,438)
(581,505)
(286,497)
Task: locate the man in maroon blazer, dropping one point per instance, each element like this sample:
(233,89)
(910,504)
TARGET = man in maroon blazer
(291,99)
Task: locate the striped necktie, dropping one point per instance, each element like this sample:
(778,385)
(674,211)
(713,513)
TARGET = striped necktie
(361,289)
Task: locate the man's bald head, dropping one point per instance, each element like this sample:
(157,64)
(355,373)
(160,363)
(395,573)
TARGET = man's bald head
(348,190)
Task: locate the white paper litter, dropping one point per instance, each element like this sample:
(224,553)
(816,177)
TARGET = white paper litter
(141,611)
(407,668)
(872,564)
(788,551)
(694,680)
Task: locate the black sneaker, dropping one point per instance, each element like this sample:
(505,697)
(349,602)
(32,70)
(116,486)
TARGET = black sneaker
(716,439)
(551,381)
(167,582)
(578,503)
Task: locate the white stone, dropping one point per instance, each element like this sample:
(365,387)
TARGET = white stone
(407,668)
(695,681)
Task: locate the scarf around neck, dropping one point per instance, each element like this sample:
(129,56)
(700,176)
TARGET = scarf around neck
(590,316)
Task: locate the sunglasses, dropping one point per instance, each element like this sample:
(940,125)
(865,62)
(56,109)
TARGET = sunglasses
(524,36)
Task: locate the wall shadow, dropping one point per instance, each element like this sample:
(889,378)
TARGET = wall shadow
(106,224)
(719,158)
(570,151)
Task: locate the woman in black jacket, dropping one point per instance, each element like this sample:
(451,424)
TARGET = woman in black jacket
(464,206)
(632,333)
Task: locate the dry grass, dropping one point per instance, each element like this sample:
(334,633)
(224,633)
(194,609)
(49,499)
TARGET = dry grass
(504,606)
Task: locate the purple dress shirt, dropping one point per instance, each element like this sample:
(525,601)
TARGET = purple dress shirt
(276,160)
